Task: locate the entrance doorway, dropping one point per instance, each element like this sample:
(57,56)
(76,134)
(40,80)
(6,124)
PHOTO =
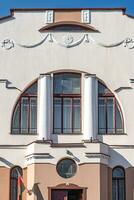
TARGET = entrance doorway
(67,194)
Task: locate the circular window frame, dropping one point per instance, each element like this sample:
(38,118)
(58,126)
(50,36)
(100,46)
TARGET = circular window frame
(73,161)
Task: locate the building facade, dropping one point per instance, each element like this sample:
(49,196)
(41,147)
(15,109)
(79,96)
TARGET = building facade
(67,100)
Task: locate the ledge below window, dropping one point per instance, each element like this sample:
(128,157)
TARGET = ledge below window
(67,133)
(24,134)
(116,134)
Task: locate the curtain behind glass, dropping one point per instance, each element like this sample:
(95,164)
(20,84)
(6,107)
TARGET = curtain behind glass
(33,115)
(24,115)
(67,115)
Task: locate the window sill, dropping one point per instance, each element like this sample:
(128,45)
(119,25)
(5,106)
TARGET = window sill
(29,134)
(112,134)
(67,133)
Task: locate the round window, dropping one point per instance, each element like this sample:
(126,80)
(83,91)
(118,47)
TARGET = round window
(66,168)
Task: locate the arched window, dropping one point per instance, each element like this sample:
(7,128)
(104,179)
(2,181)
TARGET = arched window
(118,184)
(67,101)
(24,119)
(15,171)
(110,115)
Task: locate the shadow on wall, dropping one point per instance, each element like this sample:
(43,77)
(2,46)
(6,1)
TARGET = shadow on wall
(118,158)
(6,162)
(55,138)
(37,192)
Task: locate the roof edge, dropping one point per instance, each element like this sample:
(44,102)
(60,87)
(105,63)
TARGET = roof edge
(12,10)
(81,8)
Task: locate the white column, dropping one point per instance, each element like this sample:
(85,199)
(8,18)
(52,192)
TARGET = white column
(90,125)
(44,107)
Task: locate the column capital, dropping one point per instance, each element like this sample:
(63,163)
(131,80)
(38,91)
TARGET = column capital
(44,75)
(86,75)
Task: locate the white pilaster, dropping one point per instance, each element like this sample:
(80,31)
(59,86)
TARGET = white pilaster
(90,125)
(44,107)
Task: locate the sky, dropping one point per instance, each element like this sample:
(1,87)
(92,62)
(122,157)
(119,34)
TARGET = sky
(5,5)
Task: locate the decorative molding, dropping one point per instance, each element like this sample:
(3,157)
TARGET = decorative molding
(122,88)
(75,26)
(122,146)
(131,80)
(68,41)
(8,83)
(86,16)
(38,156)
(129,43)
(7,44)
(49,16)
(69,145)
(97,155)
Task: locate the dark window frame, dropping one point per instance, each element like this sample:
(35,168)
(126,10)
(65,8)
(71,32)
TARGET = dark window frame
(63,174)
(72,97)
(118,179)
(29,96)
(16,180)
(107,96)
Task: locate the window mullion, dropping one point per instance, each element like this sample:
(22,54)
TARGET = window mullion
(62,114)
(106,115)
(72,102)
(20,102)
(29,117)
(115,114)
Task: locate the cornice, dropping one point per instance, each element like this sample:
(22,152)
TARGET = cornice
(13,10)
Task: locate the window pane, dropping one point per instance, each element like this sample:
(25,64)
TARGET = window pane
(67,83)
(33,115)
(15,126)
(57,115)
(118,172)
(58,83)
(67,115)
(71,84)
(66,168)
(76,85)
(114,190)
(76,115)
(102,115)
(14,182)
(32,89)
(102,89)
(24,115)
(121,190)
(119,128)
(110,115)
(13,189)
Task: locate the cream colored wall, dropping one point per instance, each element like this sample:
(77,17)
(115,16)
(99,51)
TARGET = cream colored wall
(23,65)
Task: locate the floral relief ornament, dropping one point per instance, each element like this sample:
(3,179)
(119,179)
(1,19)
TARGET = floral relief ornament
(68,39)
(128,42)
(7,44)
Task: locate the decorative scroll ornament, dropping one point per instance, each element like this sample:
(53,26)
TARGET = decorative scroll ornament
(68,41)
(129,42)
(7,44)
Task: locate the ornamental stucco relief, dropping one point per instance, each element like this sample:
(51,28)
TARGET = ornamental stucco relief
(67,41)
